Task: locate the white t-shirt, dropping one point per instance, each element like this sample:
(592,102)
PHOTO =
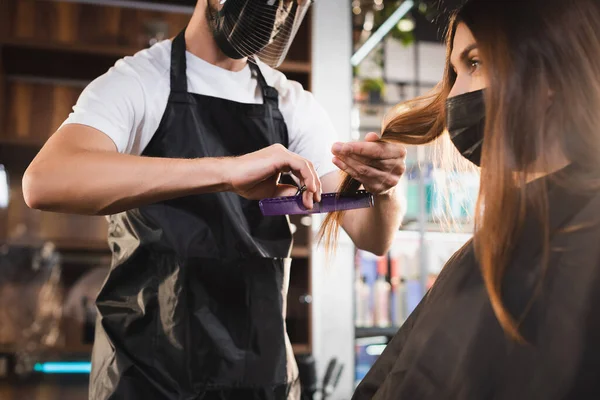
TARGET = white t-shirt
(127,102)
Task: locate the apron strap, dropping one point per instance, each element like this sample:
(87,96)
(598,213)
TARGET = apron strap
(179,72)
(179,64)
(270,94)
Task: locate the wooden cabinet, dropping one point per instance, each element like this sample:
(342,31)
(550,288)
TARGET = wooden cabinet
(35,110)
(68,232)
(89,28)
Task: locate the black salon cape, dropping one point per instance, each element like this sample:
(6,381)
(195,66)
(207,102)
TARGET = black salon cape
(452,346)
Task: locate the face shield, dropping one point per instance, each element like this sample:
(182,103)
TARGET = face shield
(262,28)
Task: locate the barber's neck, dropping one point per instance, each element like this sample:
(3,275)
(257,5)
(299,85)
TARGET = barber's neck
(200,42)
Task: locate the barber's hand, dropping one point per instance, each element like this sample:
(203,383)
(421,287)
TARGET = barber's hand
(255,175)
(377,165)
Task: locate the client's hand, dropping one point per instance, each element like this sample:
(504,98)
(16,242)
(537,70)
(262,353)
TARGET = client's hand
(377,165)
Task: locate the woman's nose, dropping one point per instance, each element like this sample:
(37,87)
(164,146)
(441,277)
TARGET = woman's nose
(460,87)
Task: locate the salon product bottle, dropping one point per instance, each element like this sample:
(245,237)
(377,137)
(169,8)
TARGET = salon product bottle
(400,308)
(412,280)
(358,301)
(382,296)
(395,283)
(362,302)
(414,295)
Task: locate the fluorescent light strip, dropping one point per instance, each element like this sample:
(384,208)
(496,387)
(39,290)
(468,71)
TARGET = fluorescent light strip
(63,367)
(376,349)
(383,30)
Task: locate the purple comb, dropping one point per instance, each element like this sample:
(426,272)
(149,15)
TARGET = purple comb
(330,202)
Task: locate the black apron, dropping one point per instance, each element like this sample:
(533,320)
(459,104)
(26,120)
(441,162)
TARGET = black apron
(194,305)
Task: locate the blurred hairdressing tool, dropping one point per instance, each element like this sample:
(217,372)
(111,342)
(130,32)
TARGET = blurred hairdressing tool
(331,379)
(308,375)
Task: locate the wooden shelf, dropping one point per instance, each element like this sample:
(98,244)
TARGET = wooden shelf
(119,51)
(376,331)
(7,348)
(81,245)
(301,348)
(170,6)
(300,252)
(88,247)
(21,142)
(295,66)
(71,350)
(70,245)
(113,51)
(86,258)
(85,349)
(450,228)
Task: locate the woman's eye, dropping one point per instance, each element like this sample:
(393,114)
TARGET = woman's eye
(474,65)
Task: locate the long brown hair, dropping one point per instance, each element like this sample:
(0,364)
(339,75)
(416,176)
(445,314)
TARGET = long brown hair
(541,59)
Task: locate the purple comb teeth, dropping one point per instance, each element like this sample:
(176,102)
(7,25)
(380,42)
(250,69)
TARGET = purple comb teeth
(330,202)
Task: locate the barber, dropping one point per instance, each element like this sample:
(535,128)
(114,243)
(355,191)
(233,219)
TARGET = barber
(176,144)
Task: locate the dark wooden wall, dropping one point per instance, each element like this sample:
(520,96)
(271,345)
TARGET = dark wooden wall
(49,51)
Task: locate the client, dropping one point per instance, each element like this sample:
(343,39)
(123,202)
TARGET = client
(513,313)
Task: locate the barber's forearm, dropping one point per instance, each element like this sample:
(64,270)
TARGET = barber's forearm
(79,171)
(373,229)
(100,183)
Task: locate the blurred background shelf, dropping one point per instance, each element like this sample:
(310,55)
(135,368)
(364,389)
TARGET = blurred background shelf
(14,140)
(90,49)
(301,348)
(301,252)
(363,332)
(50,50)
(449,228)
(114,52)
